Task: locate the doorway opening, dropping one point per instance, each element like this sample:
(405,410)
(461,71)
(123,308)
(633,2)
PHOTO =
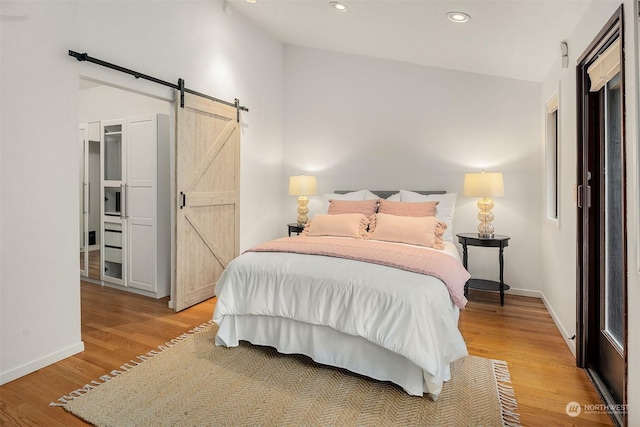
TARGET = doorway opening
(104,114)
(150,244)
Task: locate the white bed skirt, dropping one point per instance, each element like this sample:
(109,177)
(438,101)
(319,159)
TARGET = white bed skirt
(330,347)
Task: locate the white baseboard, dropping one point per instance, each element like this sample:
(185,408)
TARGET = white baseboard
(524,293)
(33,366)
(130,289)
(566,336)
(571,343)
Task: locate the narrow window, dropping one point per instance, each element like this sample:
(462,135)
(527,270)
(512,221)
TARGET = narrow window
(551,157)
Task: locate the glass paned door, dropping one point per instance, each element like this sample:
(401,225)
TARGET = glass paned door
(113,152)
(612,310)
(113,202)
(601,209)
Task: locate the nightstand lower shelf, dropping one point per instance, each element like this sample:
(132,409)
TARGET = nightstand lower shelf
(486,285)
(497,241)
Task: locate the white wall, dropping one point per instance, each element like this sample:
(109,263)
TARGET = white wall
(40,303)
(217,54)
(108,103)
(358,122)
(558,248)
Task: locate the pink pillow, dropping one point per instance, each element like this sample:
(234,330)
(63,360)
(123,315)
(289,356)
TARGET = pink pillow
(422,231)
(408,208)
(342,225)
(365,207)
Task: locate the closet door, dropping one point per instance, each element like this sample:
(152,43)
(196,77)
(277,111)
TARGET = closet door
(141,201)
(208,188)
(113,201)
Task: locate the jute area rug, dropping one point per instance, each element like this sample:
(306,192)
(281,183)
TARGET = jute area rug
(191,382)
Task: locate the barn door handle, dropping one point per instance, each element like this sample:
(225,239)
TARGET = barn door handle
(183,200)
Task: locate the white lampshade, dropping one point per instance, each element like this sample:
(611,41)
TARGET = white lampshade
(302,185)
(483,184)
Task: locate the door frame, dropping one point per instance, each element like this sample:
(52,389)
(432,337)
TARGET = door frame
(171,103)
(587,298)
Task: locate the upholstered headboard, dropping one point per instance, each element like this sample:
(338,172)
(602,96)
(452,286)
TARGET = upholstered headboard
(386,193)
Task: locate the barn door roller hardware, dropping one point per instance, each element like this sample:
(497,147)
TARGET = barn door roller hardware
(180,86)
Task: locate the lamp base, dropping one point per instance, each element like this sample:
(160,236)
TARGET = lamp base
(303,210)
(485,228)
(486,236)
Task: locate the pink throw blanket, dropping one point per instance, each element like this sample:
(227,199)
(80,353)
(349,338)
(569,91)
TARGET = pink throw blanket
(409,258)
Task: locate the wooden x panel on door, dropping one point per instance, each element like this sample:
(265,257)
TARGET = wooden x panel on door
(207,185)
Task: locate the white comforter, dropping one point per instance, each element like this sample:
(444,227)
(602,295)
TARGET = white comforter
(407,313)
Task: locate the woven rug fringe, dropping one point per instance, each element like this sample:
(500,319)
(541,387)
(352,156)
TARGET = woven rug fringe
(508,403)
(129,365)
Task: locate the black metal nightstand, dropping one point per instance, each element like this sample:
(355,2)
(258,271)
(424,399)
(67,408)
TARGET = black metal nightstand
(294,227)
(498,241)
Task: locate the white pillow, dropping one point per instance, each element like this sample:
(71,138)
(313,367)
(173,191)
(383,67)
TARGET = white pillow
(446,207)
(354,195)
(394,197)
(368,195)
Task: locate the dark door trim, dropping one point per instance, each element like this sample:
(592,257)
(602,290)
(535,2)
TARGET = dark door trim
(589,106)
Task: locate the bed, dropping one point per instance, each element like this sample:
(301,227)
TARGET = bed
(385,309)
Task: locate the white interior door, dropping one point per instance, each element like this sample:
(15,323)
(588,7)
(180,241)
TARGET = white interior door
(208,189)
(83,142)
(141,203)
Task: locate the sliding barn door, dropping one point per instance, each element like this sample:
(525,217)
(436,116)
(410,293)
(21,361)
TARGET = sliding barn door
(207,188)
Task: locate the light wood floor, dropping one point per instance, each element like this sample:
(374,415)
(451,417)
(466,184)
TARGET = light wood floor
(118,326)
(543,370)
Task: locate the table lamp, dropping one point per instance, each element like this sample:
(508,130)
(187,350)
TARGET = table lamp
(484,185)
(302,186)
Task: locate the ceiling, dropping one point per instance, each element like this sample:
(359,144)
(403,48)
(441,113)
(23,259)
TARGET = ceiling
(516,39)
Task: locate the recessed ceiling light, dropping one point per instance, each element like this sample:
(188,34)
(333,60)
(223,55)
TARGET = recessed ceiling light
(340,7)
(458,17)
(251,1)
